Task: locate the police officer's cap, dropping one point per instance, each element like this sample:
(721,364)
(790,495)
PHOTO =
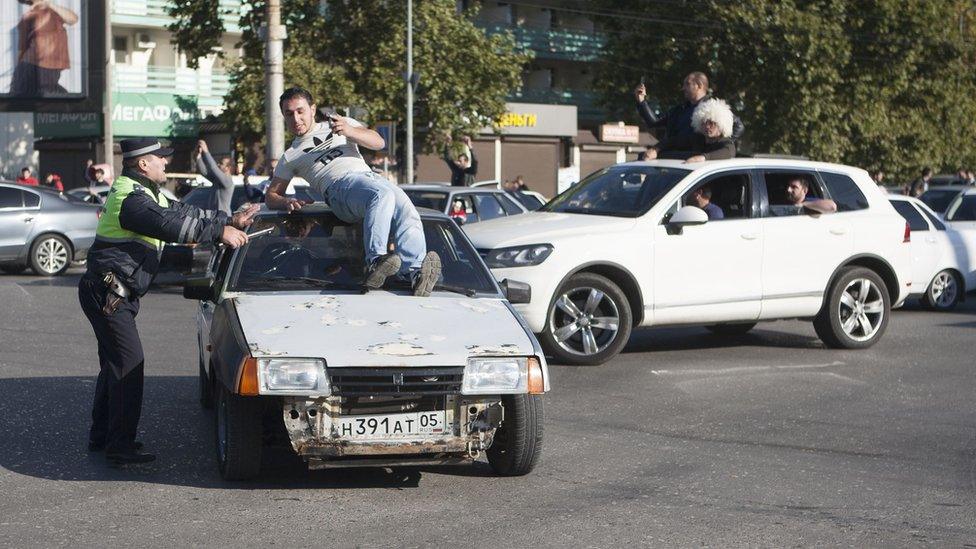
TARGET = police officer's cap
(139,146)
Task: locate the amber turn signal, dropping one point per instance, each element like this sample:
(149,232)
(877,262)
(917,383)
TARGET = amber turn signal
(537,385)
(248,384)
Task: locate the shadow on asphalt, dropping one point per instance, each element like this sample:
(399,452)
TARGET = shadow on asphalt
(682,339)
(45,422)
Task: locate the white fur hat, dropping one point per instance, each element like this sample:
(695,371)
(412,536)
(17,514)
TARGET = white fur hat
(717,111)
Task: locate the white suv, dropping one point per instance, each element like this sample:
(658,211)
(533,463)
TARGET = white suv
(621,249)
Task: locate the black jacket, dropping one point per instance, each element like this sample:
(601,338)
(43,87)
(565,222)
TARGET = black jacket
(461,177)
(686,146)
(677,120)
(136,263)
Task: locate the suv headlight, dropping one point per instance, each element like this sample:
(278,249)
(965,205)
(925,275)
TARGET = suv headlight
(292,376)
(494,376)
(518,256)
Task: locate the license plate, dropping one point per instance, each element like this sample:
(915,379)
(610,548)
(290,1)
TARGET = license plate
(407,425)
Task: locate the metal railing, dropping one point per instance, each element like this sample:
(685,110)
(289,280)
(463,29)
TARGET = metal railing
(154,12)
(172,80)
(555,43)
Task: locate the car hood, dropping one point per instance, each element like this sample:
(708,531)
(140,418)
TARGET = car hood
(380,328)
(541,228)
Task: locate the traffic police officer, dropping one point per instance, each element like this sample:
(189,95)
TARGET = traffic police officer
(137,220)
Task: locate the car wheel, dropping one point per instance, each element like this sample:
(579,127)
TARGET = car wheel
(731,329)
(13,268)
(50,255)
(238,434)
(588,322)
(517,444)
(856,311)
(943,292)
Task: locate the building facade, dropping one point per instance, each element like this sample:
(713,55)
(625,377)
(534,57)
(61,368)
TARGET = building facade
(566,43)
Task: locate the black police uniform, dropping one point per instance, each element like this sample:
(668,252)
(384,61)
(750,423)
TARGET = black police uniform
(121,264)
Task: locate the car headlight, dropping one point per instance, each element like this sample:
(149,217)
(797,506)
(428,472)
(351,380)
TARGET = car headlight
(292,376)
(495,376)
(518,256)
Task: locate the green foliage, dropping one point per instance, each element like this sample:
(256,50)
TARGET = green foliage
(197,28)
(354,54)
(867,83)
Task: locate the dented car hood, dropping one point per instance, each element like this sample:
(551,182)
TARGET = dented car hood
(380,328)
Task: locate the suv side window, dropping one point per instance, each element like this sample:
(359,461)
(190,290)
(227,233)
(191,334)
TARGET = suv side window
(468,204)
(508,202)
(777,181)
(11,198)
(915,220)
(844,192)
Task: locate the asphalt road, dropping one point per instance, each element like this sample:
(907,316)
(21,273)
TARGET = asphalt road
(685,439)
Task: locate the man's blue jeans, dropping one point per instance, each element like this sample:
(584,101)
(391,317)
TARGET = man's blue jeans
(385,211)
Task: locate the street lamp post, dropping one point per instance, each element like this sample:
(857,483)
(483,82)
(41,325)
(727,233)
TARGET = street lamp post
(274,69)
(408,154)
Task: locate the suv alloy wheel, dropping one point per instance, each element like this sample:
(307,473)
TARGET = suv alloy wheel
(856,311)
(588,322)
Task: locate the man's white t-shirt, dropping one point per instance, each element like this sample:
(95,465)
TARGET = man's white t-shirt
(321,157)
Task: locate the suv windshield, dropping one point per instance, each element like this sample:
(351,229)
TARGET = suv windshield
(626,191)
(321,251)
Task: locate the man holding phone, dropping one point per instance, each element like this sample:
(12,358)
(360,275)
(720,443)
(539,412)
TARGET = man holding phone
(677,120)
(326,154)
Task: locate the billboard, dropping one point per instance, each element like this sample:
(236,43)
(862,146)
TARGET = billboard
(43,47)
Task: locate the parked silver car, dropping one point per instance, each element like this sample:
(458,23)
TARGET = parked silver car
(43,229)
(478,204)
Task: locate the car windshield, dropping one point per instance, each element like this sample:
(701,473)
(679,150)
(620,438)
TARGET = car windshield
(626,191)
(318,250)
(428,199)
(938,200)
(964,210)
(203,197)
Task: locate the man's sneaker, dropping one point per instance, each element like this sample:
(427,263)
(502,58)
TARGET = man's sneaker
(427,276)
(384,267)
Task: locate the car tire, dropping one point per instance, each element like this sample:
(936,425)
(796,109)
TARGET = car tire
(572,332)
(238,432)
(13,268)
(206,387)
(50,255)
(856,311)
(517,444)
(730,330)
(944,292)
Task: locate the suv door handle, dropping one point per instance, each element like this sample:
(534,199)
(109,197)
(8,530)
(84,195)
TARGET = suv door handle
(750,236)
(838,231)
(28,219)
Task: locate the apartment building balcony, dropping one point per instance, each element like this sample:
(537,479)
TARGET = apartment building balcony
(555,43)
(587,102)
(208,87)
(153,13)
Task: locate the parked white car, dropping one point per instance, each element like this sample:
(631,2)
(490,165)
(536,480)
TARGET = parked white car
(943,259)
(961,212)
(379,379)
(621,249)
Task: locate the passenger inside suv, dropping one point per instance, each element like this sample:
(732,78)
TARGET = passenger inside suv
(794,194)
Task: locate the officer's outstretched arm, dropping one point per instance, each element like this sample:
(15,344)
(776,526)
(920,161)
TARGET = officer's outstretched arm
(193,211)
(141,214)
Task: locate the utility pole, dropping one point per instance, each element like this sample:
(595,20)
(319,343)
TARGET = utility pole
(274,36)
(108,140)
(408,154)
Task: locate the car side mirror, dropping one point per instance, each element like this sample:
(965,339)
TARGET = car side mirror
(200,288)
(516,292)
(686,216)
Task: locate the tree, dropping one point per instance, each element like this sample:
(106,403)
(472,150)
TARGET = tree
(862,83)
(353,54)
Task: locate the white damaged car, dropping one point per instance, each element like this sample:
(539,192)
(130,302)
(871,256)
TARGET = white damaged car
(364,379)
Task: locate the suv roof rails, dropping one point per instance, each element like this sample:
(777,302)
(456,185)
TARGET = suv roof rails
(773,156)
